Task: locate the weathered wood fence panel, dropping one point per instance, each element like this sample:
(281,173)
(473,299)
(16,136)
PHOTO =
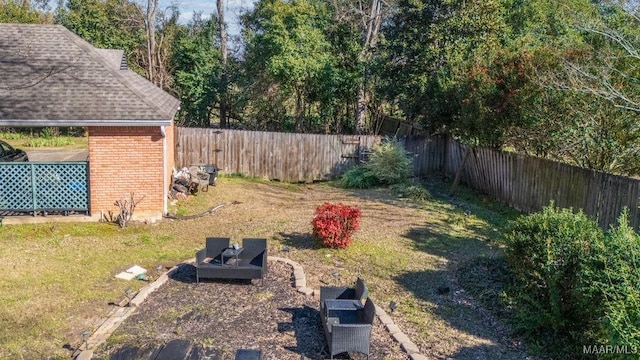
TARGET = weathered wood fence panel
(523,182)
(428,153)
(528,183)
(278,156)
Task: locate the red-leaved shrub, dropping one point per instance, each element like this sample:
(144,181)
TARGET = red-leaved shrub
(334,224)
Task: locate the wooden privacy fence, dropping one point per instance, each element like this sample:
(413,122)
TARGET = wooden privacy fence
(287,157)
(528,184)
(294,157)
(523,182)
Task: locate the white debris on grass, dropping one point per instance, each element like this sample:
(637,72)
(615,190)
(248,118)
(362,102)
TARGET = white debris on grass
(131,273)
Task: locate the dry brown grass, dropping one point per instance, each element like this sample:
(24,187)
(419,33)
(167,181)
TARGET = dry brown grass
(404,250)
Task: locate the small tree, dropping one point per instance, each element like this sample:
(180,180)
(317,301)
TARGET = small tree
(126,206)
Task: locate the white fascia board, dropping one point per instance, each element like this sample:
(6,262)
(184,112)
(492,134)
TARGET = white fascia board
(109,123)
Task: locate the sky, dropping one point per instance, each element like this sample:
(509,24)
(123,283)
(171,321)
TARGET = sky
(233,9)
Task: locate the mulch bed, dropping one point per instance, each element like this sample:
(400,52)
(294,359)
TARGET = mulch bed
(220,317)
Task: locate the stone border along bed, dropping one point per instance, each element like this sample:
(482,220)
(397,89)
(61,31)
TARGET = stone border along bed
(118,315)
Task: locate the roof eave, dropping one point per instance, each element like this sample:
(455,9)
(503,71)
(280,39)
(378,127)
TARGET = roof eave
(109,123)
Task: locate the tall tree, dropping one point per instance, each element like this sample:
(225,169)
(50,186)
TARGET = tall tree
(150,26)
(21,11)
(109,24)
(286,55)
(197,65)
(224,51)
(366,17)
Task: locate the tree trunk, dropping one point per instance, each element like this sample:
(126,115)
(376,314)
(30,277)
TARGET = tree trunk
(224,51)
(150,23)
(370,36)
(299,108)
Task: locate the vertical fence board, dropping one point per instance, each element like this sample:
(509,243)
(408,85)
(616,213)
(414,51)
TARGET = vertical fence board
(523,182)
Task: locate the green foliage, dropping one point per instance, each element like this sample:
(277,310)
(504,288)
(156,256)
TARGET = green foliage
(390,163)
(451,64)
(11,135)
(618,261)
(48,133)
(411,191)
(288,64)
(198,71)
(109,24)
(57,141)
(14,11)
(549,254)
(574,283)
(358,177)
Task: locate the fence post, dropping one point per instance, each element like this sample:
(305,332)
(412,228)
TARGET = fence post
(457,178)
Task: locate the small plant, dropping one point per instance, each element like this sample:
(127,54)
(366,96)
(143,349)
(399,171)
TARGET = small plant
(358,177)
(413,192)
(127,207)
(390,163)
(334,224)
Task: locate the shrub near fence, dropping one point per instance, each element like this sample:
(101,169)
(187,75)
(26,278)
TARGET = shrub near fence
(523,182)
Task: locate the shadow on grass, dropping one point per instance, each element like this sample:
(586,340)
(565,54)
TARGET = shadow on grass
(300,241)
(465,291)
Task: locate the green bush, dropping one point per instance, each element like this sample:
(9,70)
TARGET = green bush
(549,253)
(388,164)
(358,177)
(618,284)
(574,283)
(413,192)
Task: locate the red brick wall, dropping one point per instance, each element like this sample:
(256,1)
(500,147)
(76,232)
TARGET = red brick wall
(124,160)
(171,152)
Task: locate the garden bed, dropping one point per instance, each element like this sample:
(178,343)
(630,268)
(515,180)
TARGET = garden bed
(219,317)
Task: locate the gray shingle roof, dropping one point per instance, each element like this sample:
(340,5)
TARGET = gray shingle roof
(51,77)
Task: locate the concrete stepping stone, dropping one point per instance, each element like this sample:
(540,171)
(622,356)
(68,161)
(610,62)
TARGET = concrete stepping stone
(175,350)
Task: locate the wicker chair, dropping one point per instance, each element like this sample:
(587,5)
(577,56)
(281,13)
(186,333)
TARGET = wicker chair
(349,330)
(251,264)
(209,257)
(359,292)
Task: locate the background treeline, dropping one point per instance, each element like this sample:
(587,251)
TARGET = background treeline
(551,78)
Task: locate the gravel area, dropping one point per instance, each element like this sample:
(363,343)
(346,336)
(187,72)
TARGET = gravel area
(219,317)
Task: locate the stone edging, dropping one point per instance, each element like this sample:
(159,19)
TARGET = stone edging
(118,315)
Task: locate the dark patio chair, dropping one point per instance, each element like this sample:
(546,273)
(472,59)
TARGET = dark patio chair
(359,292)
(349,330)
(250,263)
(214,248)
(254,255)
(248,354)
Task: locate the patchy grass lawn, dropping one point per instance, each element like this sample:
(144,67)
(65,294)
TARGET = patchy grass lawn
(21,140)
(58,279)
